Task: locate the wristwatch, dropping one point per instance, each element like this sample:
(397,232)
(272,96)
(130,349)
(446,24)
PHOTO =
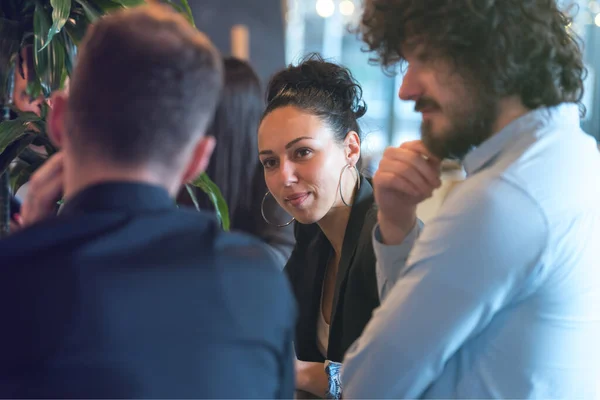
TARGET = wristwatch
(333,371)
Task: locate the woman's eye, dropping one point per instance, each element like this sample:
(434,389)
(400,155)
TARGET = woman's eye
(269,163)
(304,152)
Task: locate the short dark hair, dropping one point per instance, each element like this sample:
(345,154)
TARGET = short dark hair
(145,86)
(511,47)
(320,88)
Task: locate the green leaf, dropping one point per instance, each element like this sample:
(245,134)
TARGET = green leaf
(216,197)
(57,64)
(188,11)
(60,13)
(13,150)
(13,130)
(32,157)
(70,53)
(76,27)
(192,194)
(177,7)
(130,3)
(19,175)
(26,116)
(41,25)
(107,6)
(94,9)
(45,109)
(34,88)
(185,9)
(49,57)
(91,12)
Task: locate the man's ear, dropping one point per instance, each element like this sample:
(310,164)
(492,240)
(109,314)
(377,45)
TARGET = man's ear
(352,147)
(200,158)
(55,123)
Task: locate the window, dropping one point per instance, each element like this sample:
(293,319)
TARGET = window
(322,26)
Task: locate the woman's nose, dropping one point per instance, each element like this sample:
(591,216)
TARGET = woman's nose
(288,173)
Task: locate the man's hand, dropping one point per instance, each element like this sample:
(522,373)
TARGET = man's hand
(44,191)
(407,175)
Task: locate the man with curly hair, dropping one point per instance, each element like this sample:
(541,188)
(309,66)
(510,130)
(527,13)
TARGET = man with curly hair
(498,296)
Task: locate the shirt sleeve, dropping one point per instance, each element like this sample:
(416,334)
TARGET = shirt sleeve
(391,260)
(483,248)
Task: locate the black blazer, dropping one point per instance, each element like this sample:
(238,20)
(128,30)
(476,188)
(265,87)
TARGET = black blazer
(356,293)
(124,295)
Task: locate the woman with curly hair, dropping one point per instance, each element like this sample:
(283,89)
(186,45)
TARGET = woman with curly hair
(497,296)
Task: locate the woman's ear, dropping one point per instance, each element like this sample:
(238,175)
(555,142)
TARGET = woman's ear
(352,148)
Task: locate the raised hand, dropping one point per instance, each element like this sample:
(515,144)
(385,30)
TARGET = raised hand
(45,189)
(407,175)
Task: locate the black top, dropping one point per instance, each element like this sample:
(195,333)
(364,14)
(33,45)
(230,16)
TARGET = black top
(123,295)
(356,293)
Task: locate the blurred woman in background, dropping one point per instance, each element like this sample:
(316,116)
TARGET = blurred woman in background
(234,167)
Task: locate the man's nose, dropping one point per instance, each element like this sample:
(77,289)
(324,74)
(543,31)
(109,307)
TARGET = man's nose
(410,89)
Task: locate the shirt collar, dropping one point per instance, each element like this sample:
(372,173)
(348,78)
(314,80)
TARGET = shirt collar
(533,121)
(119,196)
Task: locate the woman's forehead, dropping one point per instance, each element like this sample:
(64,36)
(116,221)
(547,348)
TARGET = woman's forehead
(288,123)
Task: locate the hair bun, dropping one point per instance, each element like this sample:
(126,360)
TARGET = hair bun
(313,74)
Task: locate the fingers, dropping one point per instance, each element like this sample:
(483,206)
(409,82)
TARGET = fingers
(401,176)
(419,147)
(45,189)
(16,223)
(412,164)
(397,183)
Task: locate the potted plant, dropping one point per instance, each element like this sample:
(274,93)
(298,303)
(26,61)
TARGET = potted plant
(52,29)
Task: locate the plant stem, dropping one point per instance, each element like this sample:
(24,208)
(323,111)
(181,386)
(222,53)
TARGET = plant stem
(4,204)
(5,191)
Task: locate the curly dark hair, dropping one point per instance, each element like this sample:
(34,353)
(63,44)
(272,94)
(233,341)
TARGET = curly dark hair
(321,88)
(511,47)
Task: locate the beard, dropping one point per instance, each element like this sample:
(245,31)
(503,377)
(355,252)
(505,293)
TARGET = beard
(471,123)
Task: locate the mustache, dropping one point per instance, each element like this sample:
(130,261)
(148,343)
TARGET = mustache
(426,103)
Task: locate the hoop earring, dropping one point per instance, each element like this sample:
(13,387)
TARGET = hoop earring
(262,211)
(340,185)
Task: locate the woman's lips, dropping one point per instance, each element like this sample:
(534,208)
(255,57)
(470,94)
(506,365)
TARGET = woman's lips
(297,199)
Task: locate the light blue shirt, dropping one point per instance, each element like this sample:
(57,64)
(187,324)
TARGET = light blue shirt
(500,295)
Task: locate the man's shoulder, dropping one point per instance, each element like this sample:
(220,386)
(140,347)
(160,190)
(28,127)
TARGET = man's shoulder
(179,228)
(230,247)
(241,249)
(253,277)
(488,205)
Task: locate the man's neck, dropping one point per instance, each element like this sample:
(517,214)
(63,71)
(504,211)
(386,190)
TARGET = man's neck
(509,109)
(78,177)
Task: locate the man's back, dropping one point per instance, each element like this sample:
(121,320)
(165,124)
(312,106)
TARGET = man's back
(125,296)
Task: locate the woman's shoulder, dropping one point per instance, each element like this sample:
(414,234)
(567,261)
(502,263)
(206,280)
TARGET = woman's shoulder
(366,205)
(370,219)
